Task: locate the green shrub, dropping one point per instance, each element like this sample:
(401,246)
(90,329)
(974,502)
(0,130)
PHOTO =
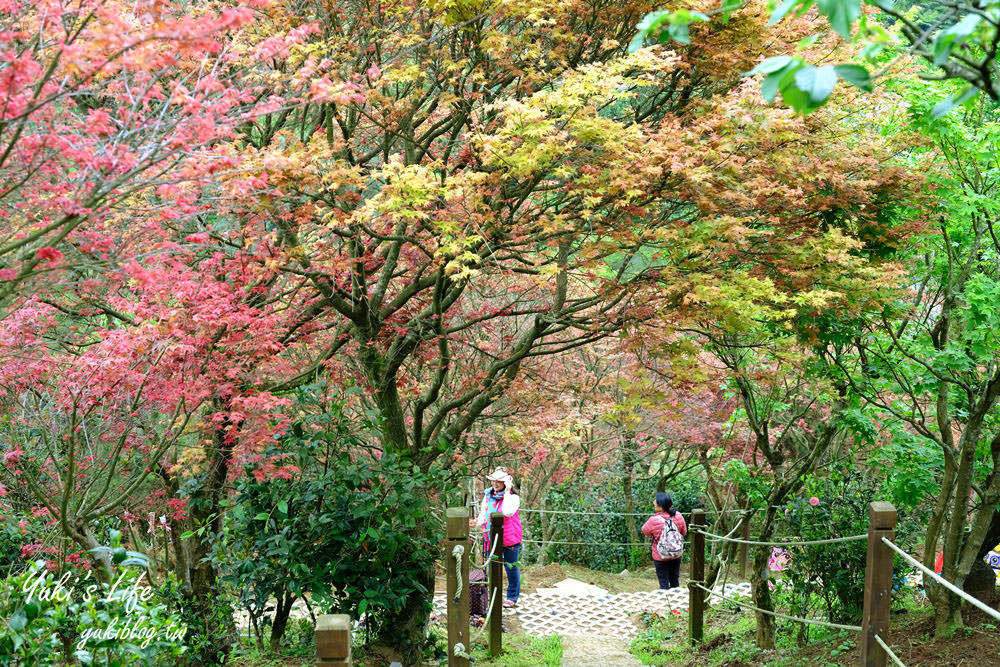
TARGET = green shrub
(207,632)
(353,535)
(831,576)
(82,623)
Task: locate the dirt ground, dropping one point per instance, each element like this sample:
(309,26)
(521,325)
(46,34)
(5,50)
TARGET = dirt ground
(912,640)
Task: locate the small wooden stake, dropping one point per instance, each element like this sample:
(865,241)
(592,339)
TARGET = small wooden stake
(878,583)
(696,596)
(333,640)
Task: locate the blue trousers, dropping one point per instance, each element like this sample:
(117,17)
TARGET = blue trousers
(511,555)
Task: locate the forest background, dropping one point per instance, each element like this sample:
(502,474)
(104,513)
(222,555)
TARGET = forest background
(280,278)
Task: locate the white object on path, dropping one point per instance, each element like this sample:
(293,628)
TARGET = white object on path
(572,587)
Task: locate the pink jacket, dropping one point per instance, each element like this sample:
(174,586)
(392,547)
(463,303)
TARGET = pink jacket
(510,508)
(654,525)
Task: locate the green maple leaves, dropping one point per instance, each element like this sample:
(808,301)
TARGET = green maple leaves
(667,25)
(802,86)
(806,87)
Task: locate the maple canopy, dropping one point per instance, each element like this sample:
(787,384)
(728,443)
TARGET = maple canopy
(421,217)
(213,207)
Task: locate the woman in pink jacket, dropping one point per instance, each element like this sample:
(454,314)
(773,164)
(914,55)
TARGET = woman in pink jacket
(501,497)
(668,572)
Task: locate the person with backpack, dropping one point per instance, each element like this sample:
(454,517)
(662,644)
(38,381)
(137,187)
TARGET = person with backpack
(501,497)
(667,528)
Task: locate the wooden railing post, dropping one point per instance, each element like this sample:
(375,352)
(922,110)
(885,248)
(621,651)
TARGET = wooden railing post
(333,640)
(496,584)
(878,583)
(458,577)
(696,596)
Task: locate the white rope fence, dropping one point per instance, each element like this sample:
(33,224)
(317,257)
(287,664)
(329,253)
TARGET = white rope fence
(541,511)
(591,544)
(941,580)
(888,651)
(746,605)
(489,557)
(580,512)
(784,543)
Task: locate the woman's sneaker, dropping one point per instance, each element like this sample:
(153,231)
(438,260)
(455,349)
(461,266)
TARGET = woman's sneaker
(509,603)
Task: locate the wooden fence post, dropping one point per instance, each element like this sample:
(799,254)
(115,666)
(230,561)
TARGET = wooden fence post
(333,640)
(458,605)
(696,596)
(496,584)
(878,583)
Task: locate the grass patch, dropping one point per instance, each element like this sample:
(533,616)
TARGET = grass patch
(664,642)
(523,651)
(249,655)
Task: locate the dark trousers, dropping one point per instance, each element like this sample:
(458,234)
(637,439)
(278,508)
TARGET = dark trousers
(511,555)
(668,572)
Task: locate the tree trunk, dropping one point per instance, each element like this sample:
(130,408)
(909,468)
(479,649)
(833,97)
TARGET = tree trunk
(961,546)
(982,579)
(762,597)
(730,553)
(406,631)
(947,611)
(281,612)
(628,474)
(213,625)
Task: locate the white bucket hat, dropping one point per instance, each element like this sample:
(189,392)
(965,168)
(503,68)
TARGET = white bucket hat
(500,475)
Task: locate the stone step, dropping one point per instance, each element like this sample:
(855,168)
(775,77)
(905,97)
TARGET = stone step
(596,651)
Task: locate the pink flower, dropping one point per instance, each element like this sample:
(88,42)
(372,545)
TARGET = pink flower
(3,490)
(30,550)
(374,72)
(814,501)
(12,457)
(8,274)
(49,253)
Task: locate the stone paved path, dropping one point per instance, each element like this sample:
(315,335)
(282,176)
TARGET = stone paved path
(597,651)
(574,608)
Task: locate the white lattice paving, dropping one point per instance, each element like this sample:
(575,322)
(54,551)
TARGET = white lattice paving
(567,610)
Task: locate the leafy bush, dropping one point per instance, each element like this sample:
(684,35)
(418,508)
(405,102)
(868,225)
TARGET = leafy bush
(11,541)
(206,632)
(831,576)
(24,537)
(351,535)
(656,645)
(43,630)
